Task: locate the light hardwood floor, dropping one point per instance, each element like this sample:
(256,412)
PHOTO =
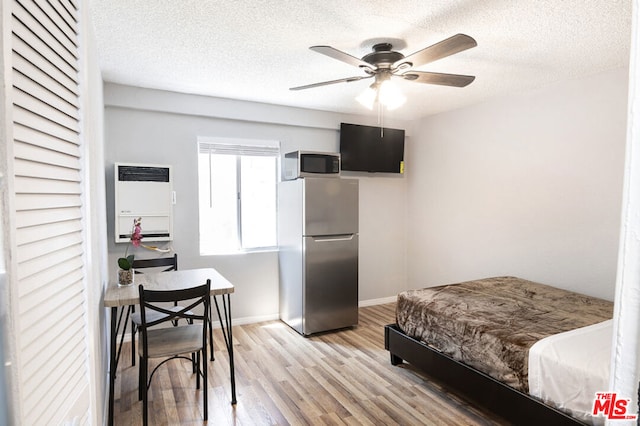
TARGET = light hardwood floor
(282,378)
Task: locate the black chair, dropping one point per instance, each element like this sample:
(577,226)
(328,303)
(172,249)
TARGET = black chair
(161,264)
(168,263)
(173,342)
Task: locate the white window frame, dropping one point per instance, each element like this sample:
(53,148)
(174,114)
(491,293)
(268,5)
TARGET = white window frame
(239,148)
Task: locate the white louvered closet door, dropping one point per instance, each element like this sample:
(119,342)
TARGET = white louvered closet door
(50,326)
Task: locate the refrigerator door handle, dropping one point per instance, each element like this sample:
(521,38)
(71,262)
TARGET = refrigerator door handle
(345,237)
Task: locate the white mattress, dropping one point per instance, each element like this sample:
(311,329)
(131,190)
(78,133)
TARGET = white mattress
(567,369)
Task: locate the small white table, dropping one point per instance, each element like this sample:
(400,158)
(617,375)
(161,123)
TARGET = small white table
(126,297)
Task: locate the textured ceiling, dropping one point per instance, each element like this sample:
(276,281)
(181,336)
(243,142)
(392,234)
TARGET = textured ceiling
(257,49)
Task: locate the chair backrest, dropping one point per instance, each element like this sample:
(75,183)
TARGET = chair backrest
(198,295)
(168,263)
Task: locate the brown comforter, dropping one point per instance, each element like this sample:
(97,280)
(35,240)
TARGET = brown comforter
(490,324)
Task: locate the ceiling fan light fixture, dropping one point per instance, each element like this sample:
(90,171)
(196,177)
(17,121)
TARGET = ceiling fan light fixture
(390,95)
(386,93)
(368,98)
(384,63)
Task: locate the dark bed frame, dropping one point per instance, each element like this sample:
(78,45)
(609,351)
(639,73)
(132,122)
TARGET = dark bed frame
(505,401)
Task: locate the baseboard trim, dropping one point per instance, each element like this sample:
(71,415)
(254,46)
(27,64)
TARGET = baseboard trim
(381,301)
(250,320)
(273,317)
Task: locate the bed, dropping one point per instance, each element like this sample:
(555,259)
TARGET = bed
(476,337)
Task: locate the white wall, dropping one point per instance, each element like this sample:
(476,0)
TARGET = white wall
(95,226)
(528,185)
(383,236)
(150,126)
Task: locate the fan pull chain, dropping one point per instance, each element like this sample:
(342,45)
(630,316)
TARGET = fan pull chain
(381,118)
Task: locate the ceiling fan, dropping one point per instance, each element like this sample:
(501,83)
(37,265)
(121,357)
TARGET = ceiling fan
(384,63)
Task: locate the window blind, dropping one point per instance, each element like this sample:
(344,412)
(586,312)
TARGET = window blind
(51,345)
(238,149)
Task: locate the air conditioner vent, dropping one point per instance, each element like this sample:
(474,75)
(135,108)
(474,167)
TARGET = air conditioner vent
(143,174)
(143,191)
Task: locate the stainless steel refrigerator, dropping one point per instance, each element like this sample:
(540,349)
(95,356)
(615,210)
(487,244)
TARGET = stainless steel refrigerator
(318,253)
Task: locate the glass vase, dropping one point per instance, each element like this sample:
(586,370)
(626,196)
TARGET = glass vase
(125,276)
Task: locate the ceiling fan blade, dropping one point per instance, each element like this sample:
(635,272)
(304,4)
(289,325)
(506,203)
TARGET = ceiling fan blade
(455,80)
(341,56)
(325,83)
(447,47)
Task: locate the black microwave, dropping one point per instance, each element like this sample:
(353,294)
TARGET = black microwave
(299,164)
